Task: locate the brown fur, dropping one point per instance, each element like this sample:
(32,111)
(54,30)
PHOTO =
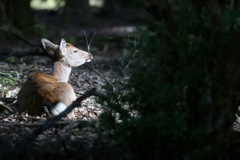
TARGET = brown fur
(40,89)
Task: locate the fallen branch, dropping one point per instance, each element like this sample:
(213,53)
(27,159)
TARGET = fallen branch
(19,54)
(37,51)
(35,124)
(9,100)
(18,36)
(5,107)
(68,124)
(77,124)
(21,147)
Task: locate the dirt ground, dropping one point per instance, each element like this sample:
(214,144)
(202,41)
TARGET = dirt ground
(75,138)
(70,138)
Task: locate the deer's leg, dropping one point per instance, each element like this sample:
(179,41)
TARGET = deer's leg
(66,96)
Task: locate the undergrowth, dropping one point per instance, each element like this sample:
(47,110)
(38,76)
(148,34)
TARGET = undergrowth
(181,98)
(8,79)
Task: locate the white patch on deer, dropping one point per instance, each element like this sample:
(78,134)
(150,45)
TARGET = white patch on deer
(59,108)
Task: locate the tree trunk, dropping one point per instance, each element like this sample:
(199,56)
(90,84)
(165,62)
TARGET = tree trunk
(16,14)
(78,12)
(160,10)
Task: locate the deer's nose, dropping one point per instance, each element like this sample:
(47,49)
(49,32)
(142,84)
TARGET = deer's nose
(90,57)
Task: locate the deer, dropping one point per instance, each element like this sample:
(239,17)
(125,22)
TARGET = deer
(52,90)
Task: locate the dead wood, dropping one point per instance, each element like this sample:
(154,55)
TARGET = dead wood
(21,147)
(20,54)
(37,49)
(18,36)
(9,100)
(65,123)
(5,107)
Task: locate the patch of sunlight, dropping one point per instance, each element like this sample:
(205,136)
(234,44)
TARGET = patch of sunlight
(46,4)
(97,3)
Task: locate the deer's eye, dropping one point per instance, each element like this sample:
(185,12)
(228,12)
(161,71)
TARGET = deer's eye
(74,51)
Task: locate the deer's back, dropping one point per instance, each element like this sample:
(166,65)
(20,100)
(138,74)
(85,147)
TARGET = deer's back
(43,89)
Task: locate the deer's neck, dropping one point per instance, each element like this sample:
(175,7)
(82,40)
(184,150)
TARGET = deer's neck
(61,71)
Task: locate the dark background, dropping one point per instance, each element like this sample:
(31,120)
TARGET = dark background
(182,92)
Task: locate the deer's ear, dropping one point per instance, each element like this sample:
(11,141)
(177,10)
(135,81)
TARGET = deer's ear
(63,47)
(49,46)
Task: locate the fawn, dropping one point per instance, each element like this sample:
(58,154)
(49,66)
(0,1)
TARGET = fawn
(52,90)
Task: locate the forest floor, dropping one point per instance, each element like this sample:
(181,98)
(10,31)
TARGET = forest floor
(70,138)
(74,138)
(78,137)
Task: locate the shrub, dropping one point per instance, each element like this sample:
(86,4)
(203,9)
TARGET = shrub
(181,98)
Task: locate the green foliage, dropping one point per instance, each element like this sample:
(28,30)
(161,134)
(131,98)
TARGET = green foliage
(179,102)
(7,80)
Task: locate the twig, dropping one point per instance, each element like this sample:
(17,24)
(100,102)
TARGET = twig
(89,44)
(77,124)
(95,71)
(5,107)
(93,68)
(36,124)
(21,147)
(18,36)
(7,99)
(126,66)
(19,54)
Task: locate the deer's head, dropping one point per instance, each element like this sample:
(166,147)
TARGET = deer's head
(66,53)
